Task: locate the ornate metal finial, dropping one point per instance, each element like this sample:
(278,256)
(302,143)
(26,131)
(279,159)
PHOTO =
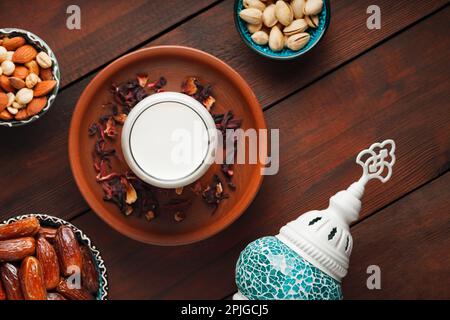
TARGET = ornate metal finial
(377,161)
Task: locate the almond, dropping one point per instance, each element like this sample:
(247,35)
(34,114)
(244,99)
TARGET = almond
(22,115)
(33,67)
(4,83)
(13,43)
(3,101)
(24,54)
(44,87)
(46,74)
(36,105)
(5,115)
(16,83)
(21,72)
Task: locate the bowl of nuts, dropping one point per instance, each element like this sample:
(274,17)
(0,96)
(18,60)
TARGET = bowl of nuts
(29,77)
(46,258)
(282,30)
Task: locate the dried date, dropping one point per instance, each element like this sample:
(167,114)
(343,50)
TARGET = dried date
(32,279)
(69,252)
(17,249)
(73,293)
(18,229)
(89,275)
(10,279)
(2,292)
(46,255)
(47,233)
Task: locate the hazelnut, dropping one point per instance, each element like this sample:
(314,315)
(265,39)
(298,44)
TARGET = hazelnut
(8,67)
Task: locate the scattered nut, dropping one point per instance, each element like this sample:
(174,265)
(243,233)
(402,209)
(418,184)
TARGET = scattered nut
(269,19)
(24,96)
(276,39)
(312,21)
(298,6)
(33,67)
(43,60)
(257,4)
(252,28)
(9,55)
(17,105)
(251,15)
(298,41)
(11,98)
(26,74)
(284,13)
(3,53)
(293,17)
(16,83)
(8,67)
(31,80)
(260,38)
(12,110)
(312,7)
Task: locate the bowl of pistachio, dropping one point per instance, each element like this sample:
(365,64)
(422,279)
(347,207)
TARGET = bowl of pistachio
(283,29)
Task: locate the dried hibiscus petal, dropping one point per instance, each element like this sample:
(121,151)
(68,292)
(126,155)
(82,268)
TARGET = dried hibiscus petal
(131,195)
(142,79)
(110,130)
(209,102)
(189,87)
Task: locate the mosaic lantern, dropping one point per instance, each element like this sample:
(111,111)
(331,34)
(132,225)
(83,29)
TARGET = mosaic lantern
(309,257)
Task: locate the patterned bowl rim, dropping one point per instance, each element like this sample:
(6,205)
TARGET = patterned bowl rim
(47,220)
(326,6)
(42,45)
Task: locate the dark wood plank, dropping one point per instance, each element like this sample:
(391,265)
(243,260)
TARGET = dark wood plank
(43,165)
(398,90)
(108,28)
(346,37)
(410,243)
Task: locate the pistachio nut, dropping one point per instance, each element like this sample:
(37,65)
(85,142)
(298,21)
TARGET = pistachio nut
(252,28)
(251,15)
(276,39)
(269,19)
(312,21)
(298,6)
(298,41)
(257,4)
(313,7)
(284,13)
(296,26)
(260,37)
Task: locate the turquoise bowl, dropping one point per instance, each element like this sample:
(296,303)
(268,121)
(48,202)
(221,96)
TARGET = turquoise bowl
(285,54)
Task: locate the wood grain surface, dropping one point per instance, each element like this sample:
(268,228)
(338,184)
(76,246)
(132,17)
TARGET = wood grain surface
(109,28)
(409,241)
(357,87)
(376,90)
(45,165)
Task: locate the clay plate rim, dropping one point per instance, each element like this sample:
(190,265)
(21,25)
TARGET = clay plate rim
(97,205)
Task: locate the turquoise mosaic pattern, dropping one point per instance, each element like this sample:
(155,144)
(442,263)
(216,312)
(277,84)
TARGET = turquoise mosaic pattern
(267,269)
(285,54)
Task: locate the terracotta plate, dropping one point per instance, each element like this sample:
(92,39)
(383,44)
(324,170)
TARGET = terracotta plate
(176,64)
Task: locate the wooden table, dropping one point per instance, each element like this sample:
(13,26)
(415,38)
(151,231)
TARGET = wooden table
(357,87)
